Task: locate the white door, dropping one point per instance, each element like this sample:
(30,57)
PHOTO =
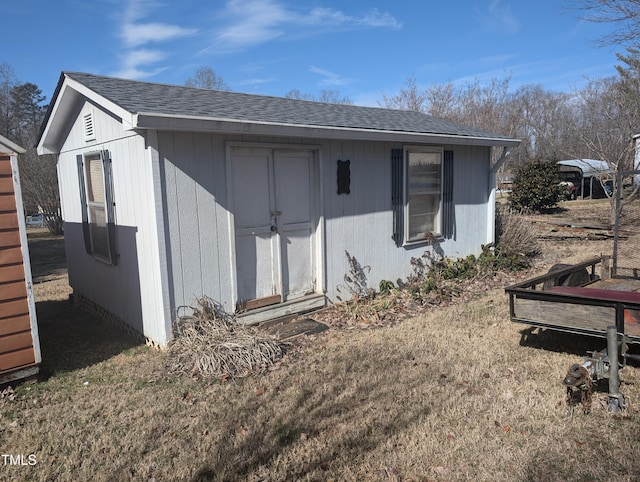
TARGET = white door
(273,205)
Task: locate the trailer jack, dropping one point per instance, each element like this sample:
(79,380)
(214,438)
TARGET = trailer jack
(603,364)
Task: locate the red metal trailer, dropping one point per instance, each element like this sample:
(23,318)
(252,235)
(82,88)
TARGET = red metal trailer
(599,297)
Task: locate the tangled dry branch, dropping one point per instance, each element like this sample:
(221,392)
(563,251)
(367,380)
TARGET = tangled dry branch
(207,343)
(514,233)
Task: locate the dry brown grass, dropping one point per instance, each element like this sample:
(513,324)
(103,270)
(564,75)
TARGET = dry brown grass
(456,393)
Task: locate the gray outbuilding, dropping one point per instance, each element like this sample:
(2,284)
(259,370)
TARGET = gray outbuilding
(170,193)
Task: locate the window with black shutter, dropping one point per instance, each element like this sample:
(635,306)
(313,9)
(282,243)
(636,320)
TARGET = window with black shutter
(422,194)
(98,206)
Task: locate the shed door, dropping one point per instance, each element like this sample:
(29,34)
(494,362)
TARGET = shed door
(273,205)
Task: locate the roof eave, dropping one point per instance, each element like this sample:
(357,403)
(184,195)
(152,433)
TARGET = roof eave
(67,94)
(11,146)
(166,122)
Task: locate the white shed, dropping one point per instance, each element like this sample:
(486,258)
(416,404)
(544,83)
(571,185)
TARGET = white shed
(170,193)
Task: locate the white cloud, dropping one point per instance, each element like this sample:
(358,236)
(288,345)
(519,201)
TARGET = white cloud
(256,81)
(499,15)
(335,18)
(135,33)
(329,78)
(254,22)
(376,19)
(134,60)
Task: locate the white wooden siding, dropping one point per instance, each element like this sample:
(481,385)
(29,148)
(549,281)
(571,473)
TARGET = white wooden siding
(173,219)
(196,217)
(132,290)
(360,222)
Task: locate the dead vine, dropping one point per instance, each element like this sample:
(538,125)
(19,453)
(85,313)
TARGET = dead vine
(208,343)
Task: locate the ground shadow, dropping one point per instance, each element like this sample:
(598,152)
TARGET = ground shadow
(315,413)
(560,342)
(571,343)
(71,339)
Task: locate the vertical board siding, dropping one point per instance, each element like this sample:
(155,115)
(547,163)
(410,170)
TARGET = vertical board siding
(470,197)
(363,225)
(196,218)
(192,182)
(360,222)
(131,290)
(17,348)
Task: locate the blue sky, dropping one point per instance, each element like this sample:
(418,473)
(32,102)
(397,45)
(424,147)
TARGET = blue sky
(361,48)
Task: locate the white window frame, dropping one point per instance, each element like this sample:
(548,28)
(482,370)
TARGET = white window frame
(93,206)
(438,218)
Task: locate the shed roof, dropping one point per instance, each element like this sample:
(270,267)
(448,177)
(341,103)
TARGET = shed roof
(589,167)
(145,105)
(9,147)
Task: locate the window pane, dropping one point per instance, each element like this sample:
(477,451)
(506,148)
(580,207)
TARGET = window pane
(95,178)
(424,215)
(99,234)
(423,193)
(424,173)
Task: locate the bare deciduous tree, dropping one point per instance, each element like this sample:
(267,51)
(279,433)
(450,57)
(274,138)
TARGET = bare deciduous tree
(441,100)
(325,96)
(625,14)
(21,112)
(39,181)
(409,98)
(206,78)
(7,82)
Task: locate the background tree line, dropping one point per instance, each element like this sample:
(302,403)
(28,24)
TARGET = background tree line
(597,121)
(22,110)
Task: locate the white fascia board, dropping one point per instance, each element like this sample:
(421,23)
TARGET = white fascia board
(10,147)
(167,122)
(70,92)
(126,116)
(63,103)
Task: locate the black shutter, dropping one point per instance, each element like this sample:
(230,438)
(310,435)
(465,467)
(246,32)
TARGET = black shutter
(109,205)
(448,208)
(83,205)
(397,194)
(344,177)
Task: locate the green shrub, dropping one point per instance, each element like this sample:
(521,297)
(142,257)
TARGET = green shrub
(536,187)
(492,260)
(386,286)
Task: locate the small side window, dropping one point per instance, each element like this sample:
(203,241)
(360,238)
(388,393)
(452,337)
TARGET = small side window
(422,194)
(94,173)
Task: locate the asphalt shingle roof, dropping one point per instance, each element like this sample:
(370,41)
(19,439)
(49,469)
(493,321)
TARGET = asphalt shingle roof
(161,99)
